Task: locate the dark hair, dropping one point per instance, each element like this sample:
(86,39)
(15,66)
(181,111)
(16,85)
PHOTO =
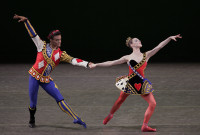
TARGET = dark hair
(53,33)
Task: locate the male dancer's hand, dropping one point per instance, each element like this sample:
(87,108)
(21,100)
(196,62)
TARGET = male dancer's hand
(21,18)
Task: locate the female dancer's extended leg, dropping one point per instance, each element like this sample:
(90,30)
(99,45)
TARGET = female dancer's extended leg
(116,106)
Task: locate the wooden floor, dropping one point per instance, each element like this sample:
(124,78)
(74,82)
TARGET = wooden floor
(91,94)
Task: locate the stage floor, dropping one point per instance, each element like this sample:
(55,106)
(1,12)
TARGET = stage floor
(91,94)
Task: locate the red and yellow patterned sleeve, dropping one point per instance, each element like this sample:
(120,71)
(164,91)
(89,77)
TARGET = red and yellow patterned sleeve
(65,57)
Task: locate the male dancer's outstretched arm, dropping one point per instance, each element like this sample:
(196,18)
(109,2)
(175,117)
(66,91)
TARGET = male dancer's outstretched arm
(36,39)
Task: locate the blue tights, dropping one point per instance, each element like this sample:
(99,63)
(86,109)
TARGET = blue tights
(52,90)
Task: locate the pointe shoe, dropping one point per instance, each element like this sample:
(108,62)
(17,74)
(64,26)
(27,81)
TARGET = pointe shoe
(107,119)
(80,122)
(146,128)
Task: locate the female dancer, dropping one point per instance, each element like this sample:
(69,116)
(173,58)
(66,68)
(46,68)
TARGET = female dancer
(49,56)
(136,83)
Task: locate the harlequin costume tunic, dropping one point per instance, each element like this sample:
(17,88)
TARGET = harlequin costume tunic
(137,84)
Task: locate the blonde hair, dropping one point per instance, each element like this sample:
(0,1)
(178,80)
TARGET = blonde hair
(128,41)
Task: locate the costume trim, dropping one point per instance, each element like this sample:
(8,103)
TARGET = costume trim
(67,109)
(147,87)
(131,76)
(48,60)
(141,62)
(31,108)
(135,72)
(131,90)
(30,29)
(65,57)
(38,76)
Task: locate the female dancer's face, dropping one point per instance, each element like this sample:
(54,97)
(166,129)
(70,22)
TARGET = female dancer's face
(136,43)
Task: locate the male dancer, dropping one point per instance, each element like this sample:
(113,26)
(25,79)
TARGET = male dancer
(48,57)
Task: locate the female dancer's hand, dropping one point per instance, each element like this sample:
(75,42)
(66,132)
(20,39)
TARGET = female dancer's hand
(21,18)
(92,65)
(175,37)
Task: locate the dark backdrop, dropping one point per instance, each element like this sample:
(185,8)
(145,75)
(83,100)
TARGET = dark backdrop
(96,30)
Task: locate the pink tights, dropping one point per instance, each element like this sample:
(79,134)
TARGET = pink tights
(152,104)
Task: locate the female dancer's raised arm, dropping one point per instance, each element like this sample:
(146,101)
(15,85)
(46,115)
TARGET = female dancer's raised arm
(161,45)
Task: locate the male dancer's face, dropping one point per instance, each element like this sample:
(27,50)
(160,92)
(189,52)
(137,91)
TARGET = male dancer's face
(56,41)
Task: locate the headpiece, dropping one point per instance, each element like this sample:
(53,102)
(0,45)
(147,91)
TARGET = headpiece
(52,34)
